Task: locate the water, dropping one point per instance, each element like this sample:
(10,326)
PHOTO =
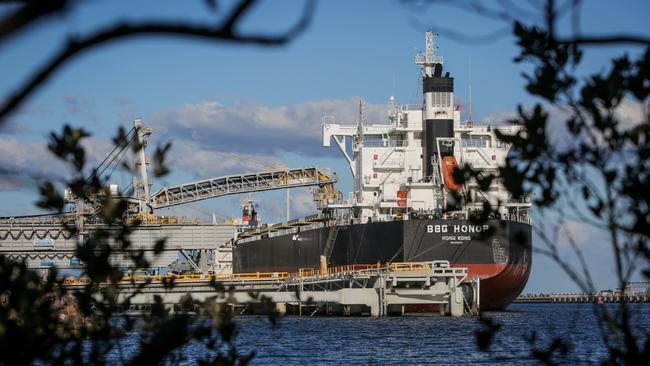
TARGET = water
(415,340)
(426,339)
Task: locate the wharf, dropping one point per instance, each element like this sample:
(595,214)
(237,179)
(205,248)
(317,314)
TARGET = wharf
(377,290)
(599,298)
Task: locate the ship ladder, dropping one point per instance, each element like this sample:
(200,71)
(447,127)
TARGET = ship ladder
(331,239)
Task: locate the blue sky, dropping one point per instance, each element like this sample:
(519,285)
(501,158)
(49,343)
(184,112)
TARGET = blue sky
(352,49)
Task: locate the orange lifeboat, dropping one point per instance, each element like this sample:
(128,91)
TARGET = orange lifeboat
(402,196)
(449,165)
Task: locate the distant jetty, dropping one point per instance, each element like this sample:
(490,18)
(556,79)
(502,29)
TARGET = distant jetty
(634,292)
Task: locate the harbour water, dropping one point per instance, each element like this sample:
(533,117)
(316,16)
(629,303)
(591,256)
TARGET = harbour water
(425,340)
(419,340)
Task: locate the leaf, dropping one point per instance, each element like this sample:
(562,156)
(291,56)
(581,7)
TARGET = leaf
(159,167)
(50,198)
(159,246)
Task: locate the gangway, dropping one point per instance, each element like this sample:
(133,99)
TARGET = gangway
(241,183)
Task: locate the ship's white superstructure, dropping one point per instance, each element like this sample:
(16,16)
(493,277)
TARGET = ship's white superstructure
(399,167)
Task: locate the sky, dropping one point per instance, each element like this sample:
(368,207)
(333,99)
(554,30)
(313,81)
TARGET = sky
(266,104)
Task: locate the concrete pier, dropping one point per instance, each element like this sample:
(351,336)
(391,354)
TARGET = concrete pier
(376,290)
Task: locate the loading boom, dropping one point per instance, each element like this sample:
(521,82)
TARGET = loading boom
(241,183)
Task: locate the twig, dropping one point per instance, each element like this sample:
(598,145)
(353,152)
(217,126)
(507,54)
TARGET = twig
(126,30)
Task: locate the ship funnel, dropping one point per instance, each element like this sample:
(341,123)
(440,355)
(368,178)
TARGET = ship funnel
(438,114)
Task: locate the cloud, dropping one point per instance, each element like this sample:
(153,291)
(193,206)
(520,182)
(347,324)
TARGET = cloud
(126,109)
(205,163)
(28,159)
(10,183)
(579,232)
(13,127)
(253,128)
(301,201)
(79,104)
(22,162)
(629,113)
(499,118)
(96,149)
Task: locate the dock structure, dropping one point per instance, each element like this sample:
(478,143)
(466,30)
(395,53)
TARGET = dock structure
(43,244)
(376,290)
(634,292)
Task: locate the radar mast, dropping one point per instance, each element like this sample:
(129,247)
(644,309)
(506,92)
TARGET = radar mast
(428,59)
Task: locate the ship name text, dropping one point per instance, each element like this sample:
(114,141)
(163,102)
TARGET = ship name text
(457,228)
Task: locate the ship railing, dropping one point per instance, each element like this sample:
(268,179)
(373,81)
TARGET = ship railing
(251,276)
(409,266)
(411,107)
(352,268)
(34,221)
(266,232)
(517,218)
(438,268)
(384,143)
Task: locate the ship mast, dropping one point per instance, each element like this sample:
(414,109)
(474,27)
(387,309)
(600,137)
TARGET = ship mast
(357,146)
(428,59)
(437,116)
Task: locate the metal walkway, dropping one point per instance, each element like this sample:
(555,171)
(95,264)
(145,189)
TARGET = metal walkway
(379,289)
(241,183)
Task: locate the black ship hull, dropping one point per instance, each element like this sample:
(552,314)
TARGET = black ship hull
(498,252)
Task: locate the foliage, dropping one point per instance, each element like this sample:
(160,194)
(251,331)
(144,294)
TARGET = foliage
(606,163)
(598,174)
(44,321)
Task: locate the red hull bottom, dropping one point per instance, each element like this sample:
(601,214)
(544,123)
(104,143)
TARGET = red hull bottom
(500,283)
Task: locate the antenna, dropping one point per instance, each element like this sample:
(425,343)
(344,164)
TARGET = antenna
(362,116)
(427,60)
(470,89)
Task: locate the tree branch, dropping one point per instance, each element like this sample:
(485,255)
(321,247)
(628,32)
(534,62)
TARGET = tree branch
(236,14)
(27,14)
(125,30)
(607,40)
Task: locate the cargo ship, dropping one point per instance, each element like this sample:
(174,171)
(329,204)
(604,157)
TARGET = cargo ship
(406,204)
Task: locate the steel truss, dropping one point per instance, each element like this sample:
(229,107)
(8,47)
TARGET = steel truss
(241,183)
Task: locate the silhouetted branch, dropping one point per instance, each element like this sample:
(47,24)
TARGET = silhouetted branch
(28,14)
(516,10)
(125,30)
(236,14)
(547,11)
(606,40)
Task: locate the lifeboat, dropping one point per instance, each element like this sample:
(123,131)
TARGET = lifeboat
(449,165)
(402,196)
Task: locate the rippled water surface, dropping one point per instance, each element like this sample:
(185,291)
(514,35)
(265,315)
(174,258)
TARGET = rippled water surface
(426,339)
(413,340)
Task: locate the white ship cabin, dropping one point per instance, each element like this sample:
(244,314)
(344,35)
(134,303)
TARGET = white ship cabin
(390,182)
(404,169)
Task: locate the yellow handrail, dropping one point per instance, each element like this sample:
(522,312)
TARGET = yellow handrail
(302,272)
